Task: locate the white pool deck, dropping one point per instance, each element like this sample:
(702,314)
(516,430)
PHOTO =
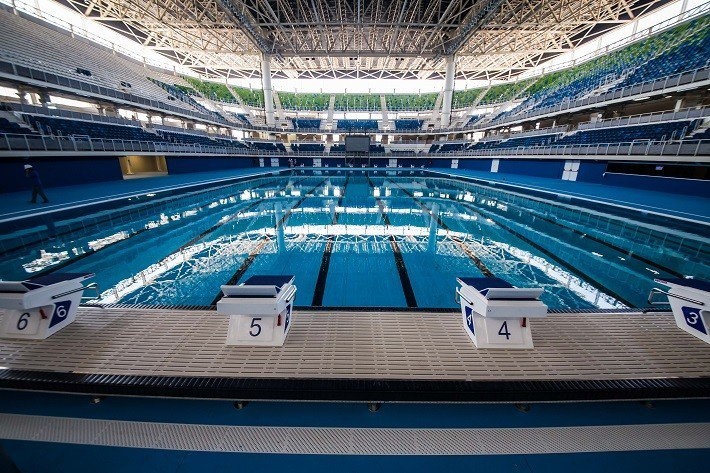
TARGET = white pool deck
(367,345)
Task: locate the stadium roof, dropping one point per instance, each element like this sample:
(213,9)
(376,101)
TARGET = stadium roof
(364,39)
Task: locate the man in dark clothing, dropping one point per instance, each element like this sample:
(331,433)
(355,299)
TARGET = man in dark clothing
(33,176)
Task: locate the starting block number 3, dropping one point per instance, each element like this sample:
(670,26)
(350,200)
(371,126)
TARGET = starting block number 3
(693,319)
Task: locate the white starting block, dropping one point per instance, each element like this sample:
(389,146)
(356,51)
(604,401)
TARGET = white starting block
(690,302)
(39,307)
(259,310)
(495,314)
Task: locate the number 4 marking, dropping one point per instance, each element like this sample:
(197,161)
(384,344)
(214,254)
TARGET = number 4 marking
(504,330)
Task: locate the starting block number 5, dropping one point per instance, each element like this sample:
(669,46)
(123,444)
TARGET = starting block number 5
(255,328)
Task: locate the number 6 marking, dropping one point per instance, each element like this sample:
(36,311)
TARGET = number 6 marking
(23,321)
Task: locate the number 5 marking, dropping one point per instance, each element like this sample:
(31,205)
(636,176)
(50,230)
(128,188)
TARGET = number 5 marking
(255,326)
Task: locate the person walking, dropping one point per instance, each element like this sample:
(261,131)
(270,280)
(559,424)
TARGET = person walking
(33,176)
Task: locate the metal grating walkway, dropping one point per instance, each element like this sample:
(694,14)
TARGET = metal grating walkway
(393,346)
(355,441)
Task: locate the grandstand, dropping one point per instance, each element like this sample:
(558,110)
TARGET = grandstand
(389,155)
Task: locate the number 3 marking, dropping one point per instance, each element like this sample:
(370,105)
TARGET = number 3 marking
(694,319)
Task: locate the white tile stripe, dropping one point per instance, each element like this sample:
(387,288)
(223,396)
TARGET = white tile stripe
(354,441)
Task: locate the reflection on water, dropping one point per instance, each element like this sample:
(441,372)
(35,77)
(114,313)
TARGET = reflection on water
(360,239)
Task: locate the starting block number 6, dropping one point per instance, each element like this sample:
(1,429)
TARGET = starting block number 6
(26,323)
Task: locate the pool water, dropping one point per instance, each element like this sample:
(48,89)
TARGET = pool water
(359,239)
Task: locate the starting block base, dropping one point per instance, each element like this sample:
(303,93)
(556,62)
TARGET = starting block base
(259,311)
(40,307)
(497,315)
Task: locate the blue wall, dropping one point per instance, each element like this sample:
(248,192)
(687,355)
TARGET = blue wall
(56,172)
(591,171)
(660,184)
(475,164)
(530,167)
(184,164)
(595,172)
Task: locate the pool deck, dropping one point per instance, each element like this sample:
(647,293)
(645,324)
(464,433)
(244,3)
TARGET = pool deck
(695,208)
(683,206)
(376,356)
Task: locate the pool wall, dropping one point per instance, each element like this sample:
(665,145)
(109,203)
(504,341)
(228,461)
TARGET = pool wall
(59,171)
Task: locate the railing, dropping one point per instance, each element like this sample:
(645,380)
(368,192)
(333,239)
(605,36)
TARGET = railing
(644,118)
(637,148)
(525,134)
(39,143)
(69,114)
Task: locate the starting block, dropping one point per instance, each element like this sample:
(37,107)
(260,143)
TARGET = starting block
(259,310)
(690,301)
(495,314)
(39,307)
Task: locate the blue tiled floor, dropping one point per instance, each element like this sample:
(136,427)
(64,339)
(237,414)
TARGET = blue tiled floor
(686,206)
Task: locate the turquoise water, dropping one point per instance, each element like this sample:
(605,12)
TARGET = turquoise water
(359,239)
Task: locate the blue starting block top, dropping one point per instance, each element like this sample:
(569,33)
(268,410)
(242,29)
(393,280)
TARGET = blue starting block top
(698,284)
(278,281)
(483,284)
(49,279)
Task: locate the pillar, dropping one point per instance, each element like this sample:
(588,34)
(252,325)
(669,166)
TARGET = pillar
(266,85)
(448,91)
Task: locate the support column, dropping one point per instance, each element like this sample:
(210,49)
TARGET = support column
(44,97)
(22,95)
(448,91)
(266,85)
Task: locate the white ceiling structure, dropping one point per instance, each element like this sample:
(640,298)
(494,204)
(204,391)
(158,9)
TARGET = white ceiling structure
(362,39)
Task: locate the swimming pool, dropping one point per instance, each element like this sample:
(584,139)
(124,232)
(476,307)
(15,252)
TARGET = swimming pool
(359,239)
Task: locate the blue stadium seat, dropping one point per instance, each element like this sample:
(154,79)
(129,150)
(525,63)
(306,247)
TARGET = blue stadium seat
(408,124)
(357,125)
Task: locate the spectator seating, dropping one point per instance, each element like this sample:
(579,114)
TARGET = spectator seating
(306,123)
(308,147)
(357,125)
(408,124)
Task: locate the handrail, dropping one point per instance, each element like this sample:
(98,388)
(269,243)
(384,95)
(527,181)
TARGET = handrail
(650,117)
(29,143)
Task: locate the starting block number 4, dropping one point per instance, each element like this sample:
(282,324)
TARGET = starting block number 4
(255,329)
(504,331)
